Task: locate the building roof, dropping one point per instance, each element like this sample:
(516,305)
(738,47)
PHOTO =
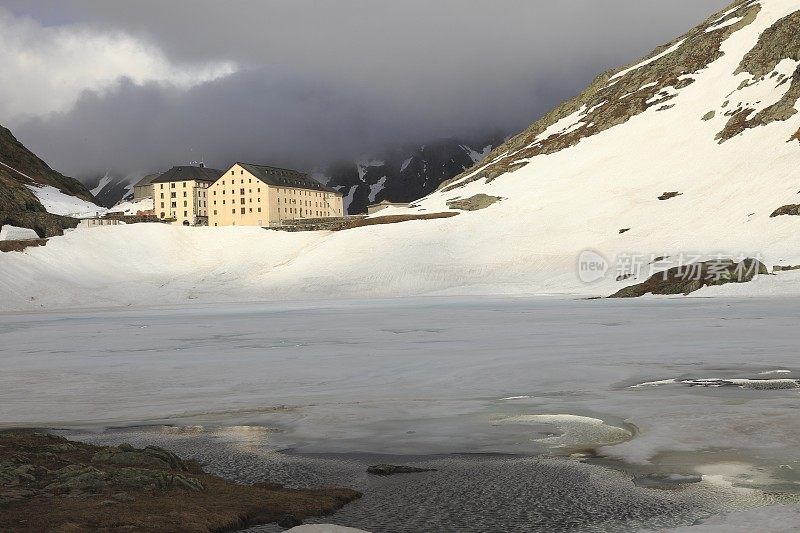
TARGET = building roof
(147,180)
(185,173)
(284,177)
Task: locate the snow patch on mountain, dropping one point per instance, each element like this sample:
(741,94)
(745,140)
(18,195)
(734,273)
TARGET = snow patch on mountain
(375,188)
(58,203)
(104,181)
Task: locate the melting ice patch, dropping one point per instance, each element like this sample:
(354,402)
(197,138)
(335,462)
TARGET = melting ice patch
(576,431)
(742,383)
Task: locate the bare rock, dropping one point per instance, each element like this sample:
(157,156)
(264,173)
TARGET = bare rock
(473,203)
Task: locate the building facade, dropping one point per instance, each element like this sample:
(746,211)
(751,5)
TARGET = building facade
(180,195)
(144,188)
(259,195)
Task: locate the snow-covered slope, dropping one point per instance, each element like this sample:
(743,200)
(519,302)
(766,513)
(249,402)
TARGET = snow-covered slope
(711,116)
(59,203)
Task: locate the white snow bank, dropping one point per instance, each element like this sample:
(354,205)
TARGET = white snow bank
(132,208)
(14,233)
(58,203)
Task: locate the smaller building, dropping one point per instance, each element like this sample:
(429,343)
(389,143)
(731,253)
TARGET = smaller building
(144,187)
(380,206)
(97,221)
(180,195)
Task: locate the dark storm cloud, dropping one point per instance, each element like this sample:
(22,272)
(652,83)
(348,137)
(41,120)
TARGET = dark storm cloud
(324,80)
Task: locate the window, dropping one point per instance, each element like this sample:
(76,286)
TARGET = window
(161,187)
(215,202)
(259,209)
(185,214)
(241,191)
(184,184)
(243,210)
(184,194)
(184,204)
(241,172)
(241,200)
(172,195)
(215,193)
(215,212)
(162,205)
(173,205)
(223,202)
(233,211)
(251,210)
(162,195)
(232,172)
(162,213)
(171,185)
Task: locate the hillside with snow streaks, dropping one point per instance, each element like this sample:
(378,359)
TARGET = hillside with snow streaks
(711,117)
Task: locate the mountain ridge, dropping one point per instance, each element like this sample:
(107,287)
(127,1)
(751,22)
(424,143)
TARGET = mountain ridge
(19,206)
(633,173)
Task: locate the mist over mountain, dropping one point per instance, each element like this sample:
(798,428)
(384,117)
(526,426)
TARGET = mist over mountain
(140,87)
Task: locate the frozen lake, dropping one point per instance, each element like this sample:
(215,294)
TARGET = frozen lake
(702,386)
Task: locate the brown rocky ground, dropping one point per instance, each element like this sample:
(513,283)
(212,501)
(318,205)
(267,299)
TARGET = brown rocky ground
(19,246)
(48,483)
(693,277)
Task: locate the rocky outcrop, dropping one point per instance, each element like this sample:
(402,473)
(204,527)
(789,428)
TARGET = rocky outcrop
(43,223)
(50,484)
(780,41)
(791,209)
(21,246)
(473,203)
(669,195)
(690,278)
(18,205)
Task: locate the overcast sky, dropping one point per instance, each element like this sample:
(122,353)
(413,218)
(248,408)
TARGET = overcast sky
(95,86)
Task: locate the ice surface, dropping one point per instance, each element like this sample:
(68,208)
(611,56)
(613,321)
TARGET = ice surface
(772,519)
(419,375)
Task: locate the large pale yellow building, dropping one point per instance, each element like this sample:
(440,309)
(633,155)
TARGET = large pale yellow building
(180,195)
(259,195)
